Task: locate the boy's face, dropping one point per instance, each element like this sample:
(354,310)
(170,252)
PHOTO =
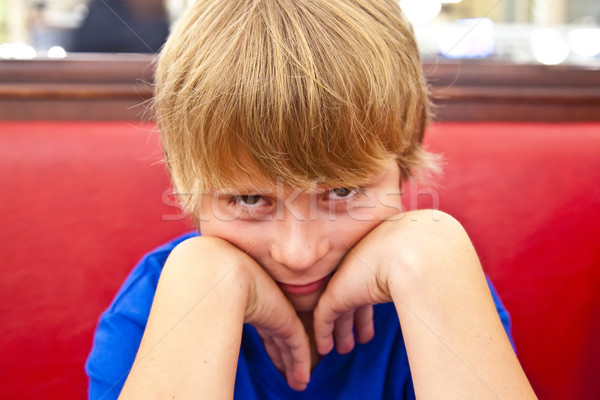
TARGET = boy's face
(300,237)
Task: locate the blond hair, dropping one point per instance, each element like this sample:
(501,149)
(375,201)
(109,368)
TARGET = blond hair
(253,91)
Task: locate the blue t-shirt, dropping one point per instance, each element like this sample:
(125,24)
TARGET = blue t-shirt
(375,370)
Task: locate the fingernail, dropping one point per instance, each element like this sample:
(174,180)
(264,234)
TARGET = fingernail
(302,387)
(298,386)
(303,377)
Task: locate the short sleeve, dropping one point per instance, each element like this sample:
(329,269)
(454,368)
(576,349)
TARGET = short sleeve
(502,311)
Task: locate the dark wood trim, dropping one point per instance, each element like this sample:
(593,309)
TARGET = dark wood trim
(80,87)
(73,91)
(80,68)
(493,73)
(119,87)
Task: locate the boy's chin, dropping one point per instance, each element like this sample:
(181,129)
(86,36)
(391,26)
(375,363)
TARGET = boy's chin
(305,302)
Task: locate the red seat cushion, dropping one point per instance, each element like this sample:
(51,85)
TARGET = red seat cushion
(529,196)
(83,201)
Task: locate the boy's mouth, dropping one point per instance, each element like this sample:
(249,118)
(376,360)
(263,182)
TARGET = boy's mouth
(302,289)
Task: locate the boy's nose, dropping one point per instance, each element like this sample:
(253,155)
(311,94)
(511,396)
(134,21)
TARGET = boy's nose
(299,244)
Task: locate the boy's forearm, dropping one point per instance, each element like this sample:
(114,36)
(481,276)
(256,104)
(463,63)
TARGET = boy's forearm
(456,344)
(191,343)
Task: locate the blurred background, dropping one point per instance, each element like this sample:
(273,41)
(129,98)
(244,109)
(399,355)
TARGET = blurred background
(501,60)
(548,32)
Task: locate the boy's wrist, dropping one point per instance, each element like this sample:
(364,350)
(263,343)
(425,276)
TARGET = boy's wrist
(422,243)
(211,264)
(197,314)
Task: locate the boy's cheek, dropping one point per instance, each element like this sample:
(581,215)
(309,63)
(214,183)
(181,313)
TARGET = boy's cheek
(375,209)
(218,211)
(365,212)
(391,204)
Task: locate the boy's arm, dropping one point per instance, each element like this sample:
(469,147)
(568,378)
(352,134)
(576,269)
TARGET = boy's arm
(191,344)
(456,345)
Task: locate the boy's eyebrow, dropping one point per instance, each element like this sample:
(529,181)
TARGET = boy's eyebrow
(269,191)
(244,191)
(374,180)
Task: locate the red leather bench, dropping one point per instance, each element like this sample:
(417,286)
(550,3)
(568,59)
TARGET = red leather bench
(83,201)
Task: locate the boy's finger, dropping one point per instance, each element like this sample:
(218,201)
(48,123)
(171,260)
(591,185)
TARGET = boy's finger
(301,373)
(299,350)
(273,352)
(323,335)
(325,316)
(344,337)
(286,357)
(363,324)
(297,373)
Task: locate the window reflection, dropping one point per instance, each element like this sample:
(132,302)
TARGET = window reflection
(534,31)
(519,31)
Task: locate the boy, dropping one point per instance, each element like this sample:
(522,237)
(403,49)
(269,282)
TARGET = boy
(289,125)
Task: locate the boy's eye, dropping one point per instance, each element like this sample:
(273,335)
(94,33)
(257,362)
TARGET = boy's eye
(342,193)
(249,200)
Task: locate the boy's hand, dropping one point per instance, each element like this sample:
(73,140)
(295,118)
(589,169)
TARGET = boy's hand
(363,279)
(347,301)
(456,345)
(274,317)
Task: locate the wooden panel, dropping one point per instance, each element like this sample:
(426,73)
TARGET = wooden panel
(119,87)
(80,87)
(486,91)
